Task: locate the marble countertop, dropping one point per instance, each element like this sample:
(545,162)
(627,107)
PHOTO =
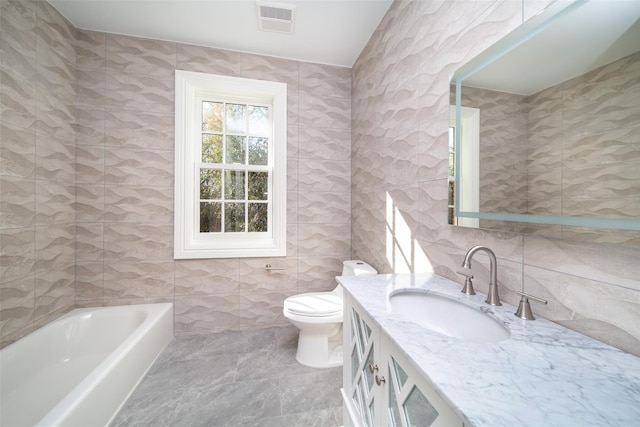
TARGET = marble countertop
(543,375)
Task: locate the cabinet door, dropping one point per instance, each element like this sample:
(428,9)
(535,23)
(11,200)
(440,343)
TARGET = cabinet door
(361,349)
(409,399)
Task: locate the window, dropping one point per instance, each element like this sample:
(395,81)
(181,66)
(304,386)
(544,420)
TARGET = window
(230,187)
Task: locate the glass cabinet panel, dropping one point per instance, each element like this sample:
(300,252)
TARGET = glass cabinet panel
(394,412)
(411,401)
(418,411)
(368,375)
(355,363)
(372,407)
(382,387)
(367,330)
(400,374)
(363,361)
(357,331)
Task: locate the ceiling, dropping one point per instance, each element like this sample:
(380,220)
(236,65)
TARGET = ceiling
(330,32)
(578,39)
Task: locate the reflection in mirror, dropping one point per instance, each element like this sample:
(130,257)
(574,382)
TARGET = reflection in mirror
(467,181)
(558,128)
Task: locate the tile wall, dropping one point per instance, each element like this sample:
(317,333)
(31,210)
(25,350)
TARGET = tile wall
(125,185)
(399,182)
(99,231)
(109,99)
(503,152)
(561,156)
(594,170)
(37,167)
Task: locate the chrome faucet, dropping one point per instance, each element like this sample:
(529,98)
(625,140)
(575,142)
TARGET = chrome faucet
(492,297)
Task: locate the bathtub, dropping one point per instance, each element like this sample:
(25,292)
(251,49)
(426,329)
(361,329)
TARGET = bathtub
(81,368)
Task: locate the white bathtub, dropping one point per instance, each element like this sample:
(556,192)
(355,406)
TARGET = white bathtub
(81,368)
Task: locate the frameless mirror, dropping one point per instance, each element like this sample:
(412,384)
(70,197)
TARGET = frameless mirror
(545,133)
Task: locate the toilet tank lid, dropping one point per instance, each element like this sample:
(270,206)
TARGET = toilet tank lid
(359,267)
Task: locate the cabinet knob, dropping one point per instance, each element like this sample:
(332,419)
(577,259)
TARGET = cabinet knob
(373,368)
(380,380)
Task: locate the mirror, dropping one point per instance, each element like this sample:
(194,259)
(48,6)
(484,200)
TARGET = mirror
(545,133)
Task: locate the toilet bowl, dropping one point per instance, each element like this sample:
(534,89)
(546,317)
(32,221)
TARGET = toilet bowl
(318,316)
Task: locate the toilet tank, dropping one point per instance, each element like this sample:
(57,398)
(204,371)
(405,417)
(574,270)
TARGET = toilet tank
(356,267)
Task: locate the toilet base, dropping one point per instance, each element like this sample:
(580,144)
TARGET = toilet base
(320,347)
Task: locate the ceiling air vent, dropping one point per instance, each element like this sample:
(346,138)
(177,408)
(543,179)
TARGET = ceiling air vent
(276,17)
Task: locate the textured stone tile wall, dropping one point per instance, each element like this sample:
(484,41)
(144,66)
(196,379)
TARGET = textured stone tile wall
(503,153)
(37,167)
(400,115)
(107,101)
(113,111)
(585,139)
(571,149)
(125,185)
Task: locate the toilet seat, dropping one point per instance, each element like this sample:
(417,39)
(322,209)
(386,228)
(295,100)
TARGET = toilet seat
(319,318)
(314,304)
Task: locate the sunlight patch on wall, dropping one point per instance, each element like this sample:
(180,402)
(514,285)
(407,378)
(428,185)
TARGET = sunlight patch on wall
(403,252)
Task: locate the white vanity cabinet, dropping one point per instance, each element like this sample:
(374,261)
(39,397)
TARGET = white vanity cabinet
(380,387)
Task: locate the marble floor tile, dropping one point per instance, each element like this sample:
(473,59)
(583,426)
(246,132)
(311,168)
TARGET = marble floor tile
(269,364)
(235,379)
(208,346)
(149,409)
(299,394)
(320,418)
(190,374)
(227,404)
(287,338)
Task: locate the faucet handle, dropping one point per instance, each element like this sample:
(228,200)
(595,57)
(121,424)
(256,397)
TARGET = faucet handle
(468,283)
(524,308)
(466,274)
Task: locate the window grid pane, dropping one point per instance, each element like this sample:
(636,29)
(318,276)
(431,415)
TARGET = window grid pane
(234,217)
(258,184)
(234,185)
(235,149)
(258,120)
(258,150)
(258,217)
(210,217)
(212,116)
(210,184)
(235,118)
(211,148)
(233,201)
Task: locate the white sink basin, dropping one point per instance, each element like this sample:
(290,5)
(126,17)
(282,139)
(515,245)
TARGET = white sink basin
(447,316)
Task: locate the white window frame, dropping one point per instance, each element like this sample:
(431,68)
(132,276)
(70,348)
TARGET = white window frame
(189,243)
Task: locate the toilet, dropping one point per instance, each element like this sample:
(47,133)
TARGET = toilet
(318,316)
